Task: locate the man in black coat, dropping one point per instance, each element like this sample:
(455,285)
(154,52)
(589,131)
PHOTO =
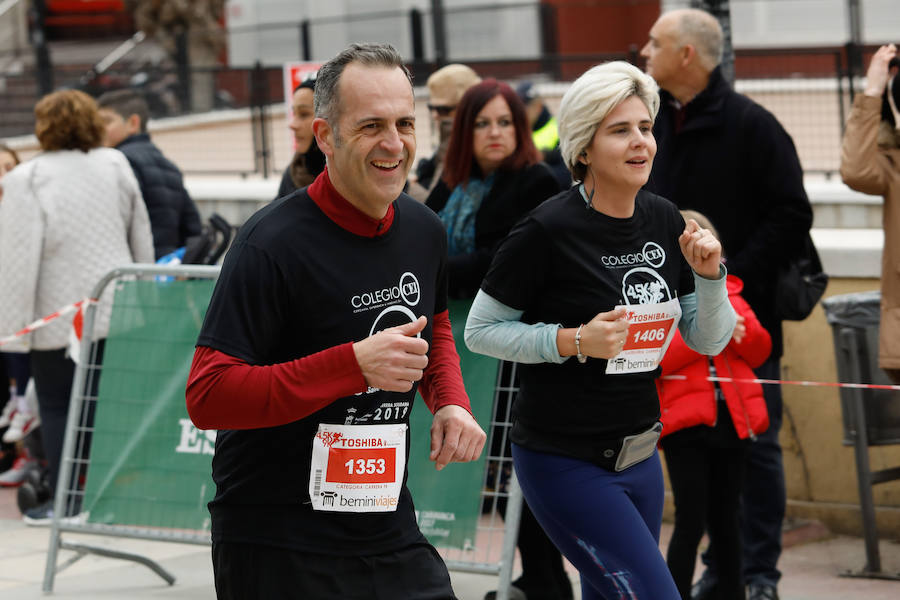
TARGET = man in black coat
(722,154)
(173,215)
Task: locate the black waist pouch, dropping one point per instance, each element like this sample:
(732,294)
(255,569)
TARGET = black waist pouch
(620,453)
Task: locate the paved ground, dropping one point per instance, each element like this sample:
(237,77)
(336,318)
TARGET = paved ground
(812,563)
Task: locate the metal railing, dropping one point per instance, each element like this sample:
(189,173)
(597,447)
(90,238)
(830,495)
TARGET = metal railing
(74,462)
(124,472)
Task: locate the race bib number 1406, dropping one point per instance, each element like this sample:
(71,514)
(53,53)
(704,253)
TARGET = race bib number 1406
(650,329)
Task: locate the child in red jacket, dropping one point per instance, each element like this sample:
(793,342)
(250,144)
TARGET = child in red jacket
(706,427)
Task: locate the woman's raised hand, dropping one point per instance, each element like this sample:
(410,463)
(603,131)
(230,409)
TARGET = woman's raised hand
(701,250)
(877,76)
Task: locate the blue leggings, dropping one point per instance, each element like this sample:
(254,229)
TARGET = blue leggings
(607,524)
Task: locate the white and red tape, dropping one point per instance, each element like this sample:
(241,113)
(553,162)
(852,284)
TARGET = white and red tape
(79,306)
(864,386)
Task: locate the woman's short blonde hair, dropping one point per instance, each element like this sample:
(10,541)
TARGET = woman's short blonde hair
(68,120)
(591,98)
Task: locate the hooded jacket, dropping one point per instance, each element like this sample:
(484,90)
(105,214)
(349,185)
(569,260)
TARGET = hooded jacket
(872,169)
(692,401)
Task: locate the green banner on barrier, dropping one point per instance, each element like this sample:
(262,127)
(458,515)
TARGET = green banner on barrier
(151,467)
(448,502)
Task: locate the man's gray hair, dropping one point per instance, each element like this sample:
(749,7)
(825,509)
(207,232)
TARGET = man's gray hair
(703,31)
(591,98)
(326,102)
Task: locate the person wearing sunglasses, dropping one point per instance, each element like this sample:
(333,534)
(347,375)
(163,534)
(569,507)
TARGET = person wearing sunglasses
(445,88)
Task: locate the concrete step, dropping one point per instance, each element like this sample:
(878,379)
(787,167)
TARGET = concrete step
(836,206)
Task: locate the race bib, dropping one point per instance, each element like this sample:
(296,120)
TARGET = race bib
(357,468)
(651,328)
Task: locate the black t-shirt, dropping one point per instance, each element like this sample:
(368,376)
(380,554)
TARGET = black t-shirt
(295,283)
(565,263)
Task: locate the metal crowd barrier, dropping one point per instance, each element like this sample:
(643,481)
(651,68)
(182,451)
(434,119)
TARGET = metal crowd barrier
(79,430)
(125,488)
(495,546)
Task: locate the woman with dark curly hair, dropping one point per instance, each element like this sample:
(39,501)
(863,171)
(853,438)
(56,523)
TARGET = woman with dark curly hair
(68,217)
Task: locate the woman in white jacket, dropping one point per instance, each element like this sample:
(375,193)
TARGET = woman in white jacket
(68,217)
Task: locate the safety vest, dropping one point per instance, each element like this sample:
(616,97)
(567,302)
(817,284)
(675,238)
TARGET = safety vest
(547,137)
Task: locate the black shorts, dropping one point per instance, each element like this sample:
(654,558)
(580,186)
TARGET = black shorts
(249,571)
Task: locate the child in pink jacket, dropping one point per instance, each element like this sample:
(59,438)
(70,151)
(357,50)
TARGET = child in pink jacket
(707,427)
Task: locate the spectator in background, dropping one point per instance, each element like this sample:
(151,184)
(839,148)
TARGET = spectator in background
(19,416)
(446,87)
(308,160)
(9,454)
(492,176)
(173,215)
(725,156)
(870,163)
(16,415)
(68,217)
(8,161)
(544,132)
(707,427)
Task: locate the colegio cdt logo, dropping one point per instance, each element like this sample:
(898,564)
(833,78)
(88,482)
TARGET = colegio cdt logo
(654,255)
(407,290)
(651,254)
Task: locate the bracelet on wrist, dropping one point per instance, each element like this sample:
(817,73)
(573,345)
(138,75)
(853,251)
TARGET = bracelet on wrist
(581,357)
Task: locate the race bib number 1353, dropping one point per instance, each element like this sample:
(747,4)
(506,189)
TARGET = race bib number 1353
(357,468)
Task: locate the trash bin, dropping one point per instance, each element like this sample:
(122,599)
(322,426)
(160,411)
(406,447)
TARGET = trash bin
(871,416)
(854,322)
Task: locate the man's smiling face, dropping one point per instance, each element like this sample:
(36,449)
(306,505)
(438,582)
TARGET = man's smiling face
(371,149)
